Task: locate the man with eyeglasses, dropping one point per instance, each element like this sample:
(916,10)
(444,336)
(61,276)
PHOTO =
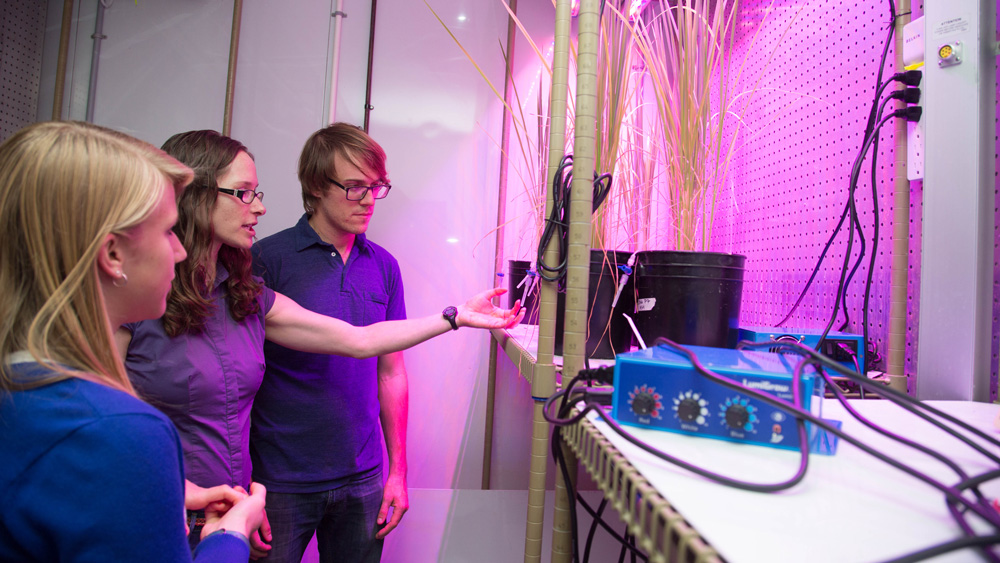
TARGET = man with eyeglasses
(314,437)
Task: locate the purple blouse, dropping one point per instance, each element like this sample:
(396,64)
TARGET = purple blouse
(206,384)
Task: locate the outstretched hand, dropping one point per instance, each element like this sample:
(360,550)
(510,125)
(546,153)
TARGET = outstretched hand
(480,312)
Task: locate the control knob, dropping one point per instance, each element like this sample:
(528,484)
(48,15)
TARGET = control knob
(737,416)
(645,401)
(688,410)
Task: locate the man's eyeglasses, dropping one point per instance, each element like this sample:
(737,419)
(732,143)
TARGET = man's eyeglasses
(358,193)
(246,196)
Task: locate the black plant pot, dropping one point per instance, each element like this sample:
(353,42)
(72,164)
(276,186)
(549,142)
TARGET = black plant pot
(608,332)
(689,297)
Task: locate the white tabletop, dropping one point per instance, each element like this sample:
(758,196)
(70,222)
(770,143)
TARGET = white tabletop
(850,507)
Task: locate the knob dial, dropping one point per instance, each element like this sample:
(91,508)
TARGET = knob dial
(688,410)
(737,416)
(643,404)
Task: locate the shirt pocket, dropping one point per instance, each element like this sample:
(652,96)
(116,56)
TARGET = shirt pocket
(375,305)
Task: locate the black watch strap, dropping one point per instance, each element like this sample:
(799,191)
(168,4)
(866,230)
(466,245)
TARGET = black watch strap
(451,313)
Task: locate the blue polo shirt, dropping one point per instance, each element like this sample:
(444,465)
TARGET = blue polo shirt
(315,421)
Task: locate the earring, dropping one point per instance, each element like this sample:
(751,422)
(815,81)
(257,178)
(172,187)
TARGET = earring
(123,279)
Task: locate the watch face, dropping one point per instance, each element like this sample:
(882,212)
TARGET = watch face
(450,313)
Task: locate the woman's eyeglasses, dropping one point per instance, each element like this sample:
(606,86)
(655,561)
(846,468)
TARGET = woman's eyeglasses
(246,196)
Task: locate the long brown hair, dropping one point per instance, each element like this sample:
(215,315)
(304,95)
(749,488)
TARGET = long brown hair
(64,186)
(209,154)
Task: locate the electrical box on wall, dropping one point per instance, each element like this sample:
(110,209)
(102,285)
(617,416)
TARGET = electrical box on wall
(913,59)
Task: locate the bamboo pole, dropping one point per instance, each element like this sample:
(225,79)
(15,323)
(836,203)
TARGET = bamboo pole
(543,383)
(896,355)
(578,263)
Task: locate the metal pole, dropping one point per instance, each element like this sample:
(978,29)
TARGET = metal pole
(234,49)
(896,354)
(371,58)
(338,16)
(67,22)
(498,250)
(95,60)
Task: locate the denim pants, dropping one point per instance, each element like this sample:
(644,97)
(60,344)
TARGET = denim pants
(344,520)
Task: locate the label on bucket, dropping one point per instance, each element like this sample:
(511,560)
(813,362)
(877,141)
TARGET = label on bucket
(645,304)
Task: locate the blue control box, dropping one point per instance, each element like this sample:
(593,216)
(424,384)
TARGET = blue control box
(659,388)
(842,347)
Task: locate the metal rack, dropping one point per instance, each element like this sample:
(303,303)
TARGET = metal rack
(659,529)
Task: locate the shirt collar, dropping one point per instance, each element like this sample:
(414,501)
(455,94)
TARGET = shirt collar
(221,274)
(306,236)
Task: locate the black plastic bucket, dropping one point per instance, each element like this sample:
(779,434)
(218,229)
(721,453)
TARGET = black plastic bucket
(608,332)
(517,275)
(689,297)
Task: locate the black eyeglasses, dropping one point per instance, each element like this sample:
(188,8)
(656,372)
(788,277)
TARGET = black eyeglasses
(358,193)
(246,196)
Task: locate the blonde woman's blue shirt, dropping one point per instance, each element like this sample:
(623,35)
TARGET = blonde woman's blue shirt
(90,473)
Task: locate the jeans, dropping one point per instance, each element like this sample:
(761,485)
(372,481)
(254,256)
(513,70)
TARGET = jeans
(344,520)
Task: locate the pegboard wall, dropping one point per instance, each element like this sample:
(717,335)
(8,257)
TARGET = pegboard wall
(789,181)
(22,30)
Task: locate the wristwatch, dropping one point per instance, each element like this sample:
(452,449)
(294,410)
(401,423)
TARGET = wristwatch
(450,313)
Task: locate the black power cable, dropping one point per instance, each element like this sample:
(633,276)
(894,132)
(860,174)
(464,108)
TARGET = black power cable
(910,114)
(557,223)
(959,506)
(604,374)
(910,78)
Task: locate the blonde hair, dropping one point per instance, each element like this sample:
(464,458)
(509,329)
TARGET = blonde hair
(64,186)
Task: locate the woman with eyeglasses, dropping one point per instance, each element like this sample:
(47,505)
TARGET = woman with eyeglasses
(89,472)
(202,363)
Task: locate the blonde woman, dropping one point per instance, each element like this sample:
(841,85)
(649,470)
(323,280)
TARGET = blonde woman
(90,472)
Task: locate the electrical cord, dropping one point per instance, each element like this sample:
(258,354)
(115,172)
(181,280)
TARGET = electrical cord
(557,222)
(909,113)
(560,420)
(901,399)
(842,399)
(909,95)
(909,78)
(599,520)
(948,547)
(966,484)
(554,224)
(958,504)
